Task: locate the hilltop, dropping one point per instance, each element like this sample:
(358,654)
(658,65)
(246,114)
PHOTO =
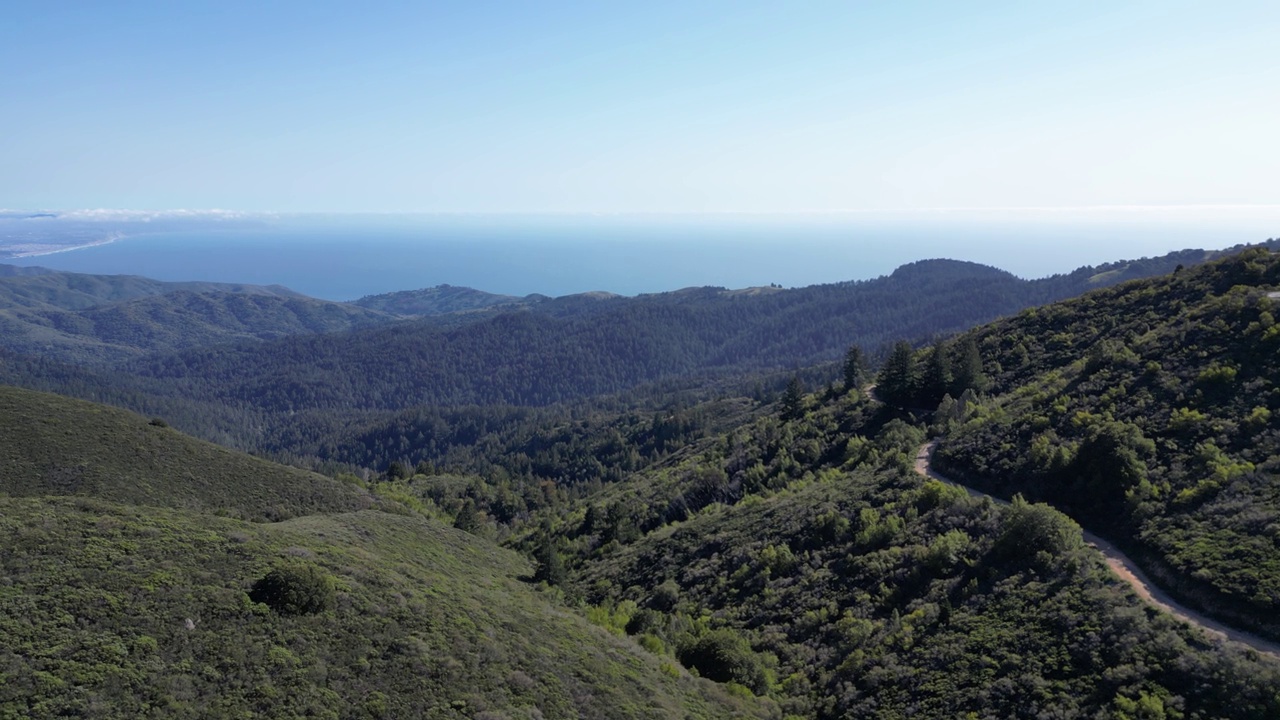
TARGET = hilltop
(438,300)
(41,288)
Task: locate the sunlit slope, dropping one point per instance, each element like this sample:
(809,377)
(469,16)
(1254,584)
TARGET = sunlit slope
(114,611)
(52,445)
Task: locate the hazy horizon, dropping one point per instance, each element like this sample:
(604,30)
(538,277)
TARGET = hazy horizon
(343,257)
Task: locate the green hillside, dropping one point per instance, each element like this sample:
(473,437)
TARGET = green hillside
(112,611)
(568,348)
(801,556)
(1151,413)
(129,589)
(52,445)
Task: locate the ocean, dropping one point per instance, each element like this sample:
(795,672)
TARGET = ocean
(346,257)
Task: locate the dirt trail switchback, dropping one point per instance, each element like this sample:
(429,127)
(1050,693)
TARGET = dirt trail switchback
(1126,570)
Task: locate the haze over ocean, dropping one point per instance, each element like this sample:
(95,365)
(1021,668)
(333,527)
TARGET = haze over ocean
(346,257)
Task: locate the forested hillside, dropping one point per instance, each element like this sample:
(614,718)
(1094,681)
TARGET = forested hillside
(795,553)
(578,347)
(778,545)
(43,288)
(112,606)
(438,300)
(1151,413)
(117,332)
(106,319)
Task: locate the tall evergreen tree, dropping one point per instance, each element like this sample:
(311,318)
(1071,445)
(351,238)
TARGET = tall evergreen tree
(937,376)
(897,380)
(793,400)
(968,373)
(855,368)
(550,565)
(468,520)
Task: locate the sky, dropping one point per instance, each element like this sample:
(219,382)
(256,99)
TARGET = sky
(655,107)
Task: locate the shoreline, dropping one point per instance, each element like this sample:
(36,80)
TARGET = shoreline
(54,250)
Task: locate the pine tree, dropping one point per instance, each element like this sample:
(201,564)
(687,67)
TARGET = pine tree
(854,368)
(897,380)
(468,520)
(550,564)
(968,373)
(793,400)
(937,377)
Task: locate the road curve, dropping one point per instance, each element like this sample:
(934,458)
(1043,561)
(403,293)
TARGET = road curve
(1126,569)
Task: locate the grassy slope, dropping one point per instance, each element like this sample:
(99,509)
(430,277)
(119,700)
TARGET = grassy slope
(429,622)
(96,591)
(1150,411)
(51,445)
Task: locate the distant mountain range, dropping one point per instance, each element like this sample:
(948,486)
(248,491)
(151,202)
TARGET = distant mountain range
(280,353)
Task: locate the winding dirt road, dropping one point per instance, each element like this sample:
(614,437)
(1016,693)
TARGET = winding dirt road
(1126,569)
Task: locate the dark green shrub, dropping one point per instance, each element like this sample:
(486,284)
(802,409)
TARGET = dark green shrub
(645,621)
(724,656)
(665,597)
(295,589)
(1035,532)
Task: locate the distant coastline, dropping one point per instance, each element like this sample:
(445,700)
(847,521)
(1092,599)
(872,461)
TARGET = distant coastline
(14,250)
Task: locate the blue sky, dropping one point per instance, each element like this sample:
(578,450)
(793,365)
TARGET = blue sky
(638,107)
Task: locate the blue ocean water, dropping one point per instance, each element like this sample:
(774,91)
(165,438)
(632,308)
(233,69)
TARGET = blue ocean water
(343,258)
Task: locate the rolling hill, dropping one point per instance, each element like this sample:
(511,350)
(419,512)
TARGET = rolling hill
(579,346)
(41,288)
(53,445)
(114,332)
(438,300)
(134,594)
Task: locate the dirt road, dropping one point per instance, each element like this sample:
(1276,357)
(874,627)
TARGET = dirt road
(1126,570)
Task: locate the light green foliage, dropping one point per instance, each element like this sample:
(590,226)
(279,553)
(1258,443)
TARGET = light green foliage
(1036,532)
